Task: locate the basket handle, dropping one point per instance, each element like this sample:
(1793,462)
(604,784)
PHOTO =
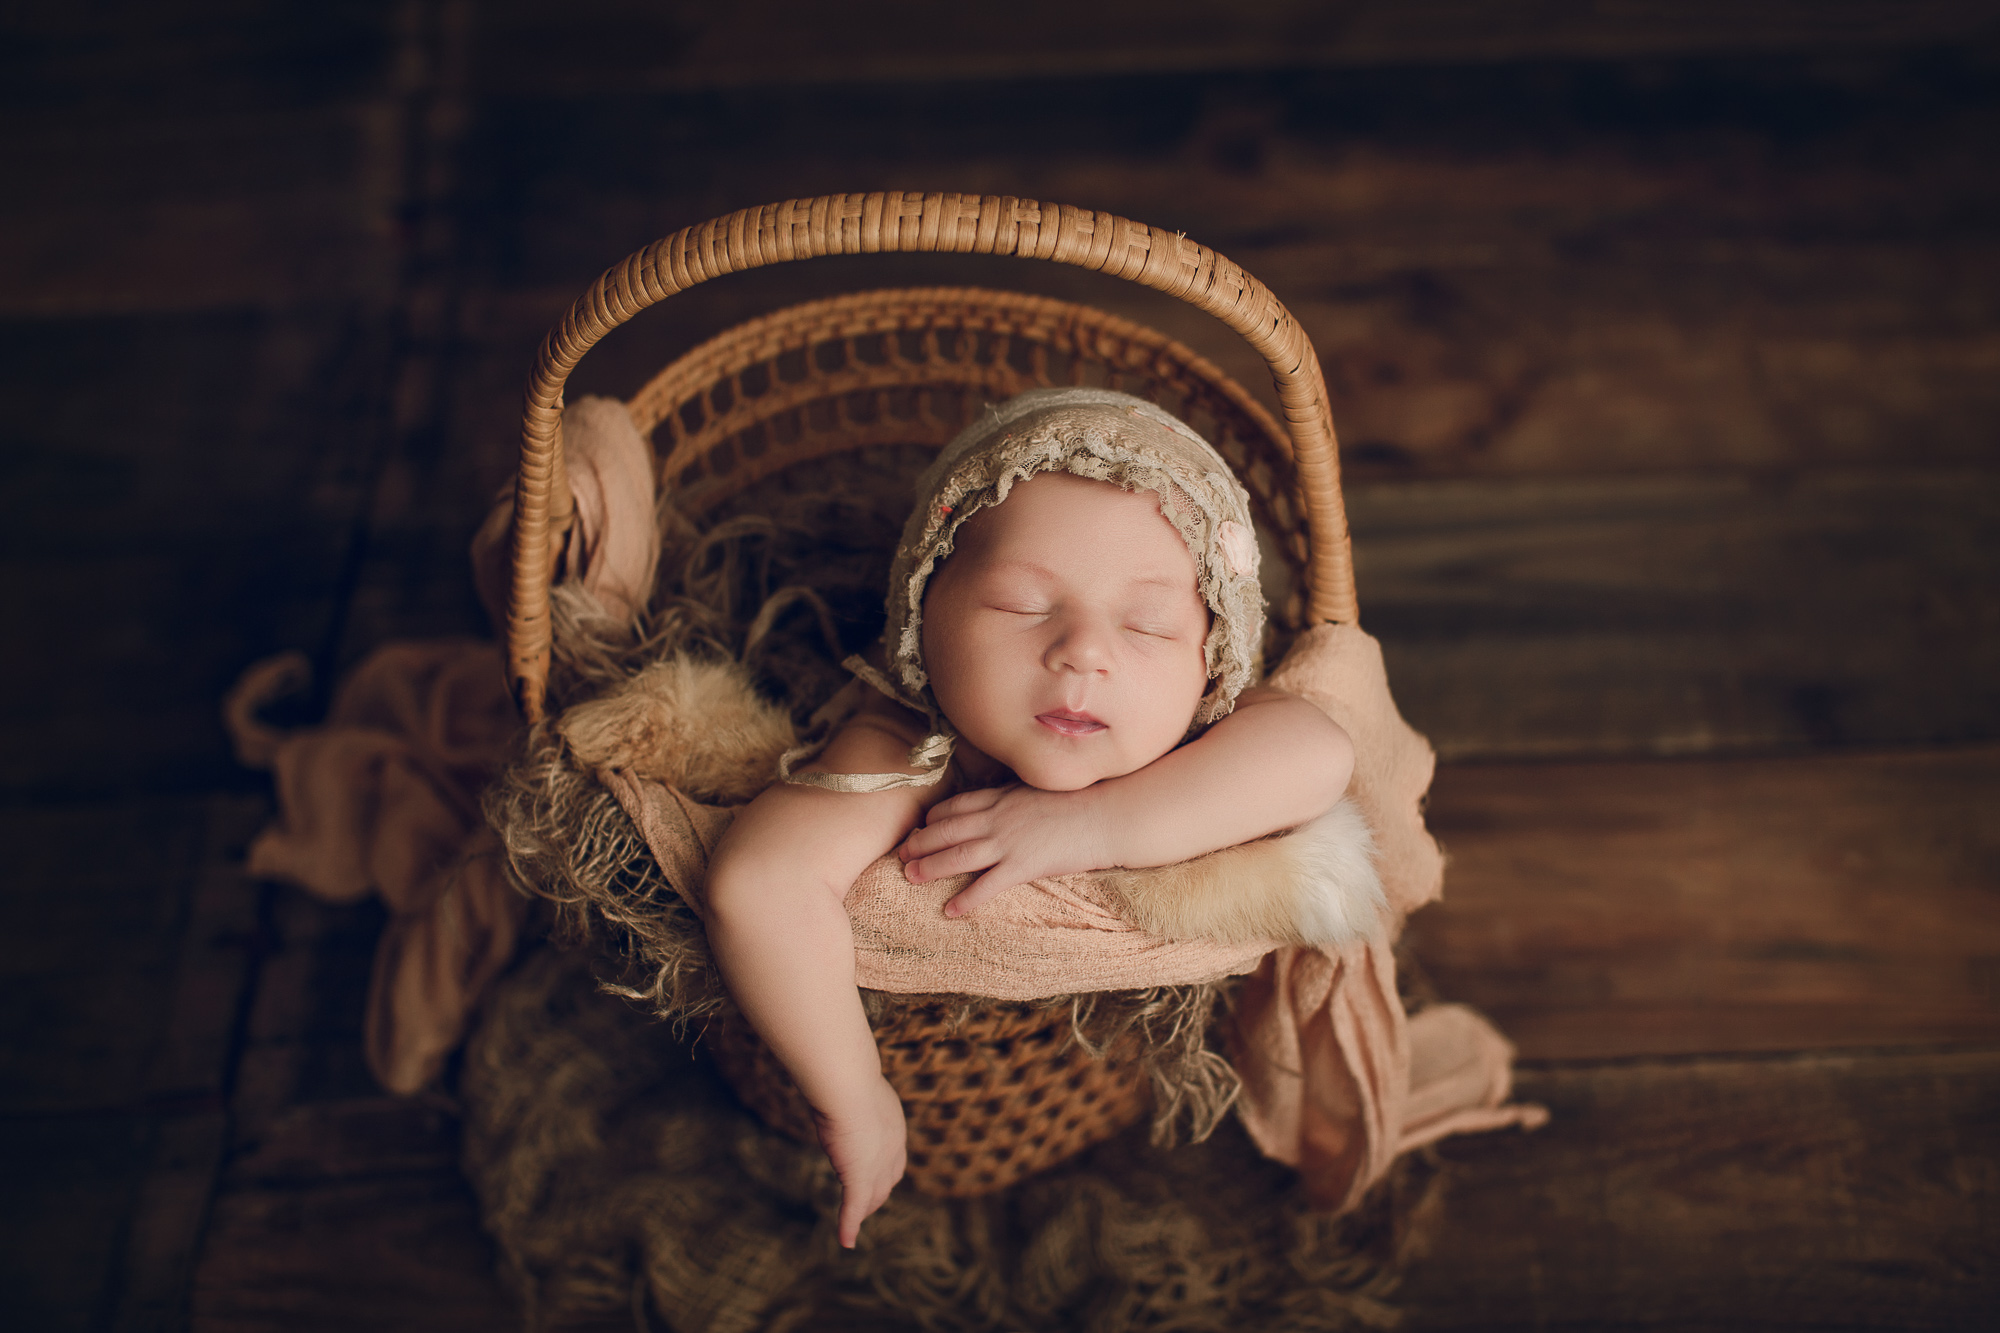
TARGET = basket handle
(898,221)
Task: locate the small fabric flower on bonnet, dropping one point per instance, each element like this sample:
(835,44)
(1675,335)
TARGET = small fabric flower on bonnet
(1094,433)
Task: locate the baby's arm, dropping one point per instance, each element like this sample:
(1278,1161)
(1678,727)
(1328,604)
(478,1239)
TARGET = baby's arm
(779,932)
(1276,762)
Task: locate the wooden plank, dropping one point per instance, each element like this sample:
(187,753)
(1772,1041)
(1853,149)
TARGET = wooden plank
(190,1070)
(181,504)
(164,230)
(302,1037)
(391,1253)
(1517,270)
(124,977)
(195,54)
(70,1182)
(348,1213)
(149,1290)
(197,156)
(215,957)
(97,897)
(1687,613)
(1600,910)
(1819,1192)
(770,43)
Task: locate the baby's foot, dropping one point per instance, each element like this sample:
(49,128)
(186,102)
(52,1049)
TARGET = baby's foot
(866,1142)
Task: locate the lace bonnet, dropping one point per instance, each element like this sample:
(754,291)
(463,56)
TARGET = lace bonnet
(1106,436)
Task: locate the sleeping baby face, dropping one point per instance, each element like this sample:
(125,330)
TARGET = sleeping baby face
(1064,635)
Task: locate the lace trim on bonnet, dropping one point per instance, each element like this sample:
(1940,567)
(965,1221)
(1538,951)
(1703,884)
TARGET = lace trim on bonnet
(1094,433)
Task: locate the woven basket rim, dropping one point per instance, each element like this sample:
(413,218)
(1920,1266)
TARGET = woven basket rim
(765,336)
(910,222)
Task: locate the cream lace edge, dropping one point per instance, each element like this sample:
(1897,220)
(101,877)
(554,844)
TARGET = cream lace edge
(932,754)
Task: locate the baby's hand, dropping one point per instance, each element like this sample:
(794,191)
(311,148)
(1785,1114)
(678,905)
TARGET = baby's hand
(867,1146)
(1015,834)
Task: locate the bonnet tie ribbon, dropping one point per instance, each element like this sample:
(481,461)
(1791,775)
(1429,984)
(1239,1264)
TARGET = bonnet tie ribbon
(932,754)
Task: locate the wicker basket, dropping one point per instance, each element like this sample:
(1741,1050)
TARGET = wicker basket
(992,1091)
(996,1091)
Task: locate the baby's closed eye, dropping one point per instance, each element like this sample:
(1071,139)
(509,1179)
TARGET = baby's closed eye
(1152,629)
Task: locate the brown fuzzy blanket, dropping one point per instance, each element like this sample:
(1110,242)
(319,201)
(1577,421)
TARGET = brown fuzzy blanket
(617,1174)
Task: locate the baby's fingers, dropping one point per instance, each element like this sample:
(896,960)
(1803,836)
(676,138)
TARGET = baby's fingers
(855,1208)
(965,803)
(854,1211)
(940,834)
(982,890)
(959,859)
(857,1205)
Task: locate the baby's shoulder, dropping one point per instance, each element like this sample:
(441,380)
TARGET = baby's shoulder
(878,711)
(875,736)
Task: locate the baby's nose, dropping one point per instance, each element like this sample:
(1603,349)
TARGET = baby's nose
(1083,646)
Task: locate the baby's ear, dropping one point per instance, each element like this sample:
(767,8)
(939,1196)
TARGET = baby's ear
(1316,885)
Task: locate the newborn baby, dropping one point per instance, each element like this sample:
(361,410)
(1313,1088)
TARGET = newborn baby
(1073,624)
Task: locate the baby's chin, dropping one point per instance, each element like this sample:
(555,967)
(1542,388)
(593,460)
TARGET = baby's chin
(1071,773)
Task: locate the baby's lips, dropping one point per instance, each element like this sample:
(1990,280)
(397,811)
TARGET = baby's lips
(1067,723)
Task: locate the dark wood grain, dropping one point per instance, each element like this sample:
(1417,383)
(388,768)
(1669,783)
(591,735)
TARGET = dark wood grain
(763,44)
(70,1184)
(197,156)
(191,1071)
(120,986)
(1614,910)
(1826,1191)
(188,507)
(1661,340)
(301,1041)
(1506,269)
(402,1252)
(1687,613)
(98,897)
(348,1214)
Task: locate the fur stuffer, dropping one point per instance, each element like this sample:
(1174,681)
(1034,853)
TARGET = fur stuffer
(691,723)
(1316,885)
(697,724)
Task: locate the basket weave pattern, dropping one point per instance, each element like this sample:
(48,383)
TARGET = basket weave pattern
(912,366)
(900,221)
(993,1092)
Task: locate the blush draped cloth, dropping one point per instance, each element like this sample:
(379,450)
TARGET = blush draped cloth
(383,798)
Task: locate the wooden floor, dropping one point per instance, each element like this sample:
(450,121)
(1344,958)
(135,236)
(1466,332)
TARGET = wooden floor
(1665,343)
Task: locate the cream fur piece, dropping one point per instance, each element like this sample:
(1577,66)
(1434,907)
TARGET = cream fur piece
(693,724)
(1316,885)
(698,726)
